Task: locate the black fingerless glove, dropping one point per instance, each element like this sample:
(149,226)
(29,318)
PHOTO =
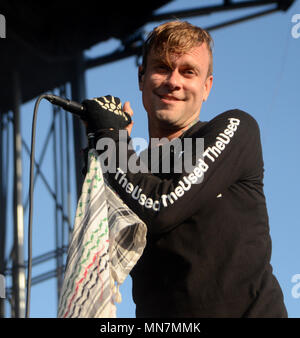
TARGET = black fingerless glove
(105,112)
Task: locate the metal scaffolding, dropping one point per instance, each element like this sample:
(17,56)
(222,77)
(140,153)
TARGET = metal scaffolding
(67,137)
(59,136)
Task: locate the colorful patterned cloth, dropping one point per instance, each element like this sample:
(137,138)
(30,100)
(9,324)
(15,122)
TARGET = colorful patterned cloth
(107,241)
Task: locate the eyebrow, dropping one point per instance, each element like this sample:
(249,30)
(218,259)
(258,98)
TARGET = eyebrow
(191,65)
(158,61)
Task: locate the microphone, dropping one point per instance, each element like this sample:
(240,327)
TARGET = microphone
(71,106)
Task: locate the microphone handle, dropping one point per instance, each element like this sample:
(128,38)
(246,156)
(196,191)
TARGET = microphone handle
(69,105)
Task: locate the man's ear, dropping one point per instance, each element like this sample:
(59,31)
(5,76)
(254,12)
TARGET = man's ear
(207,87)
(141,72)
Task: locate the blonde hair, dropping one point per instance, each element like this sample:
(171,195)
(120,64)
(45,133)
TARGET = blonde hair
(176,37)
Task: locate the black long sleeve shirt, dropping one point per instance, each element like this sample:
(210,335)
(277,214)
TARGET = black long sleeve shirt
(208,244)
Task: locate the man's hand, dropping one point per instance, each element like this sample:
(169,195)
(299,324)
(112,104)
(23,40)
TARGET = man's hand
(105,113)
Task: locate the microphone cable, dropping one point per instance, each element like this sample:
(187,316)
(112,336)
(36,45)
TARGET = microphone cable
(31,180)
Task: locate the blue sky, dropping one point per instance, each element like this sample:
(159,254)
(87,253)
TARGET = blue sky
(256,69)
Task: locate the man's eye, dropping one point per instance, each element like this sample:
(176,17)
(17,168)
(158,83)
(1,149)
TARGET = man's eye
(162,68)
(189,72)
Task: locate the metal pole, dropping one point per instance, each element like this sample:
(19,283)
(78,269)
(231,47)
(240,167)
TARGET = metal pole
(78,89)
(226,6)
(3,199)
(18,252)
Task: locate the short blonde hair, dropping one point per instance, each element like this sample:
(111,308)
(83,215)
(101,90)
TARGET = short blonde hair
(176,37)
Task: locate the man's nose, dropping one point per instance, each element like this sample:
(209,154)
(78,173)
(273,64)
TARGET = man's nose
(173,79)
